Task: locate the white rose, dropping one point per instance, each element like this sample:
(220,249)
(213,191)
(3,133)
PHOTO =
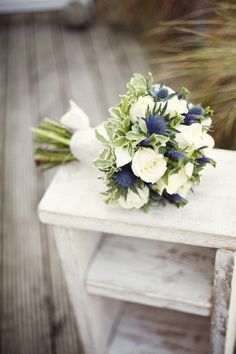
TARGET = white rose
(189,136)
(184,190)
(193,137)
(176,106)
(122,156)
(139,108)
(208,141)
(148,165)
(134,200)
(75,118)
(188,168)
(207,122)
(177,181)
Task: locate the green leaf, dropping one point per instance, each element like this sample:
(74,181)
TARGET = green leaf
(135,136)
(119,141)
(100,137)
(165,177)
(142,125)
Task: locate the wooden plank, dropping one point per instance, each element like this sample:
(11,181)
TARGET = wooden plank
(113,83)
(231,329)
(3,79)
(25,317)
(143,330)
(136,57)
(160,274)
(203,222)
(221,323)
(52,76)
(95,315)
(85,81)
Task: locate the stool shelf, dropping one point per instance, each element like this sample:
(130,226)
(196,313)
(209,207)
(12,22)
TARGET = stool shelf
(160,274)
(147,330)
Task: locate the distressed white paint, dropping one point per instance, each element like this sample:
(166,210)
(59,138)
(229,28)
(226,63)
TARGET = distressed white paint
(94,315)
(208,220)
(223,315)
(231,330)
(154,273)
(146,330)
(125,268)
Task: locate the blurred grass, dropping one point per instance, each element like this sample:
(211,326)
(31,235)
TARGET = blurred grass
(199,51)
(192,44)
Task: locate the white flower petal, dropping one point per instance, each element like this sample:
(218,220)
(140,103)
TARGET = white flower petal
(139,108)
(175,181)
(75,118)
(84,145)
(184,190)
(148,165)
(189,169)
(122,156)
(134,200)
(176,106)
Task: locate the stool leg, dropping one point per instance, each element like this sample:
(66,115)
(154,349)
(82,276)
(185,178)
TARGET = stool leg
(223,320)
(95,315)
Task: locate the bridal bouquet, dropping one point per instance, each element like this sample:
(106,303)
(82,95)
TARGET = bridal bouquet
(155,146)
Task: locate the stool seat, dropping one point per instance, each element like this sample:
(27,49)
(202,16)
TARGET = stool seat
(208,220)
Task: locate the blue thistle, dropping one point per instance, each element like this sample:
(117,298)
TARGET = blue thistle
(175,155)
(125,177)
(145,142)
(196,110)
(181,95)
(155,195)
(204,159)
(175,198)
(161,94)
(156,125)
(190,119)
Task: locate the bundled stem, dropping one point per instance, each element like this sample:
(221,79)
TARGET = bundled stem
(53,144)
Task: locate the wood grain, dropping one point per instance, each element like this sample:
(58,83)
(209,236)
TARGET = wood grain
(24,313)
(42,65)
(220,323)
(153,273)
(144,330)
(203,222)
(51,71)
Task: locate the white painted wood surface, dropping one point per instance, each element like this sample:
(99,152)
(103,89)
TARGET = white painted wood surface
(73,201)
(145,330)
(95,315)
(161,274)
(223,304)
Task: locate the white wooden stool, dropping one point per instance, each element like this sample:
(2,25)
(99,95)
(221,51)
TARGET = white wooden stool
(155,283)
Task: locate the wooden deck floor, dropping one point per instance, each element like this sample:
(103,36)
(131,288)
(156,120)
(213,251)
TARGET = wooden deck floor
(42,65)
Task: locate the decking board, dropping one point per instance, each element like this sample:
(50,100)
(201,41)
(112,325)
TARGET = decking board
(42,64)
